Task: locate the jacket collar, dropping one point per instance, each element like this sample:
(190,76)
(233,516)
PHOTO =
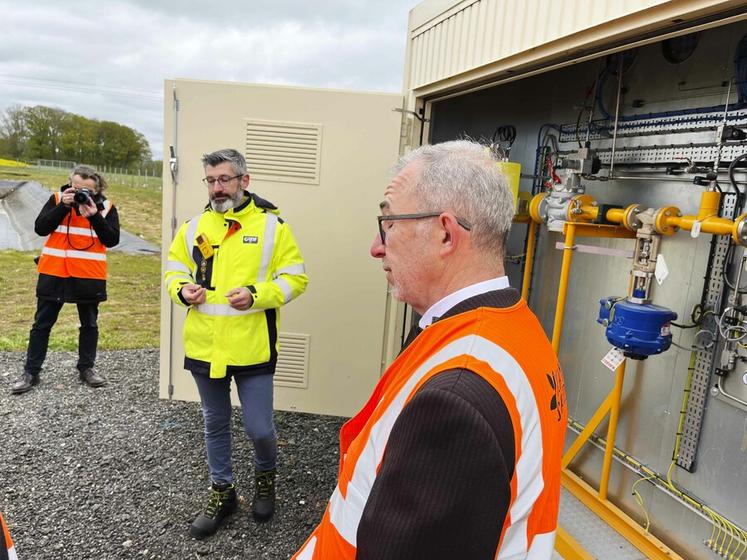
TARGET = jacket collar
(250,203)
(506,297)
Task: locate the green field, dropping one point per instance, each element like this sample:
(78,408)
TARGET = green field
(130,317)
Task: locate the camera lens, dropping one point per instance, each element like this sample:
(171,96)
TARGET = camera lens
(82,196)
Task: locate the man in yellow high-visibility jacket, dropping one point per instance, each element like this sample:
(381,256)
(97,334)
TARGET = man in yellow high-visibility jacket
(233,266)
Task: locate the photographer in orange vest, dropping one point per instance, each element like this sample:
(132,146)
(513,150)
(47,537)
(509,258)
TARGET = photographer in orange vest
(457,452)
(81,223)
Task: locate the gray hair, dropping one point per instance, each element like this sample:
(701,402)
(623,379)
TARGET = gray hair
(86,172)
(230,155)
(462,177)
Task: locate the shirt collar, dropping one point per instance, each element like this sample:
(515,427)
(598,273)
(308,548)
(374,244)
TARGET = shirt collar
(446,303)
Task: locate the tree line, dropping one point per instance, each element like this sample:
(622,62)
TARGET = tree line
(39,132)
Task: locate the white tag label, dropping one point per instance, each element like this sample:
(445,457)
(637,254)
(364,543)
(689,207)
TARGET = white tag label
(661,271)
(613,359)
(695,231)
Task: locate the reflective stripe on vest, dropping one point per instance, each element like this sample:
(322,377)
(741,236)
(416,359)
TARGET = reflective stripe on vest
(73,249)
(223,310)
(73,254)
(268,246)
(529,528)
(88,232)
(189,237)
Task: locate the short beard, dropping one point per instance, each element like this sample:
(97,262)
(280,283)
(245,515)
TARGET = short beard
(226,205)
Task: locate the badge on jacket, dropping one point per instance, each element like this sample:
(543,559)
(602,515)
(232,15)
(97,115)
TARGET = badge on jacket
(203,244)
(251,239)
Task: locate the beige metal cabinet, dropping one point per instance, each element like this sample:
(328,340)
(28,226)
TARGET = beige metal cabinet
(322,157)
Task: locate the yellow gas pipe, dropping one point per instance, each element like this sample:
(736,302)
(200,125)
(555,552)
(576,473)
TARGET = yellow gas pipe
(668,219)
(584,209)
(565,272)
(612,429)
(528,260)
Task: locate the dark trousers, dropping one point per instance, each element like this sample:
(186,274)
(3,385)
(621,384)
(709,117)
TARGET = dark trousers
(47,312)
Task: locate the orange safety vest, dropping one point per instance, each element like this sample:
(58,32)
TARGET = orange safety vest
(508,348)
(73,249)
(9,551)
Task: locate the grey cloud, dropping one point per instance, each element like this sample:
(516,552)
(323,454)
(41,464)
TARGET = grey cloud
(108,60)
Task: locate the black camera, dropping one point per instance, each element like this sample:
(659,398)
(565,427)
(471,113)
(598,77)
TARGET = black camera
(83,196)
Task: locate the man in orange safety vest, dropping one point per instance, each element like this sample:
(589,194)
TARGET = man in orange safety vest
(80,224)
(457,452)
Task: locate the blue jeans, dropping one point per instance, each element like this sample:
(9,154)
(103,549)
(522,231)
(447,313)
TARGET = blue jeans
(255,394)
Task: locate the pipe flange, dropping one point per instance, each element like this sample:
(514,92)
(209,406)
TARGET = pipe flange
(538,208)
(660,220)
(630,219)
(739,233)
(575,212)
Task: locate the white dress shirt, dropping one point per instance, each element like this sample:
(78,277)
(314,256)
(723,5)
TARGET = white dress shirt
(446,303)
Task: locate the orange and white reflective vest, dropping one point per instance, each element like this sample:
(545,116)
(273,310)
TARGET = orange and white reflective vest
(73,249)
(7,550)
(508,348)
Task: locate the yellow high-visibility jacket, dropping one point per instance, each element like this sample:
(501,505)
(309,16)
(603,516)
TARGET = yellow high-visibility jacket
(252,247)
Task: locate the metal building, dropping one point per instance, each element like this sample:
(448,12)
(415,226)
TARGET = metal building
(629,119)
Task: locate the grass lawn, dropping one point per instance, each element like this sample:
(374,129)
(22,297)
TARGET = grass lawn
(130,318)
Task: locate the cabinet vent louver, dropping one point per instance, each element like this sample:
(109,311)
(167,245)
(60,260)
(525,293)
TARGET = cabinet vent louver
(283,151)
(293,360)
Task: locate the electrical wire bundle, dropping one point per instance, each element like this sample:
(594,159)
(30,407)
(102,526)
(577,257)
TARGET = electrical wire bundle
(503,133)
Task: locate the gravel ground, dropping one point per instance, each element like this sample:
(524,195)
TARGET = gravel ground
(117,473)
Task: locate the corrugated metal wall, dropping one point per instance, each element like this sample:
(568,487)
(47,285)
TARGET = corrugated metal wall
(446,41)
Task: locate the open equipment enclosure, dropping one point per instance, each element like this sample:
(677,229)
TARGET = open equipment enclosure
(629,120)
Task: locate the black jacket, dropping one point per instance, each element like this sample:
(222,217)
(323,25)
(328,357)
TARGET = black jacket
(75,290)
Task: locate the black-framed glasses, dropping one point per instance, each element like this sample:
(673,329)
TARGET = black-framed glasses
(393,217)
(223,180)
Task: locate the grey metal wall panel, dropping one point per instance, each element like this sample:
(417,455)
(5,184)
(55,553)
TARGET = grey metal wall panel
(653,388)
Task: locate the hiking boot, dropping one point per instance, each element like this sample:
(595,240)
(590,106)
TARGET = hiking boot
(263,505)
(221,504)
(91,378)
(24,383)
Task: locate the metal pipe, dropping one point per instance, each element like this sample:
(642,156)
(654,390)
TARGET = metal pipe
(612,429)
(655,178)
(717,161)
(565,270)
(529,261)
(671,178)
(714,225)
(724,394)
(617,114)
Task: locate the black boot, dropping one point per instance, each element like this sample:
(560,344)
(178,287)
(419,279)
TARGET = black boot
(263,505)
(92,378)
(221,504)
(24,383)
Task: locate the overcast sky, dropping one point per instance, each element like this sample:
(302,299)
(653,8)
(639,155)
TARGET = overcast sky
(108,60)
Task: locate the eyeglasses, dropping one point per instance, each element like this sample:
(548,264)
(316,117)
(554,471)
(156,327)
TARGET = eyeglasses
(393,217)
(223,180)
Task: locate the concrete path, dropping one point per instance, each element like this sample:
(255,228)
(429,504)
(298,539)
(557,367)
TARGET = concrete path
(20,203)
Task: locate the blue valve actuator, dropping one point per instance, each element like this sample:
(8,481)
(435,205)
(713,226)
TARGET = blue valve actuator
(639,330)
